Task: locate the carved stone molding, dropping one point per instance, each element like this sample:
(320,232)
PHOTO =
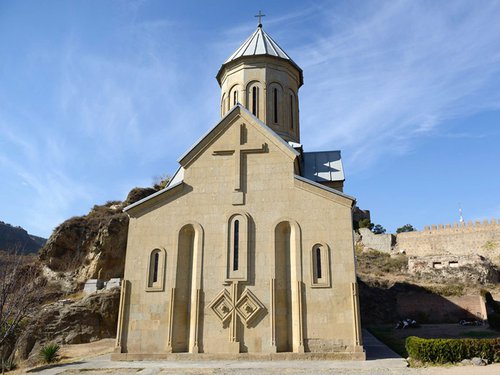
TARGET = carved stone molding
(247,306)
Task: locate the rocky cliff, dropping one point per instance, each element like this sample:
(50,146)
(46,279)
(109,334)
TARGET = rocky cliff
(91,318)
(90,246)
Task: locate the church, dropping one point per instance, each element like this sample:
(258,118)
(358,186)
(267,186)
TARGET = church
(249,249)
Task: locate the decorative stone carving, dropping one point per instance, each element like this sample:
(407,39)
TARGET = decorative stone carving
(247,306)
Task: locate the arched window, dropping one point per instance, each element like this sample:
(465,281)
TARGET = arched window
(156,270)
(223,105)
(237,247)
(275,105)
(235,97)
(156,263)
(255,100)
(291,111)
(320,266)
(236,244)
(318,262)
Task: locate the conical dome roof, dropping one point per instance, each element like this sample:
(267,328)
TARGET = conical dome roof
(260,43)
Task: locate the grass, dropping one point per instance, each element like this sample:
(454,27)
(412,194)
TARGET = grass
(50,353)
(479,334)
(395,339)
(447,290)
(386,335)
(377,262)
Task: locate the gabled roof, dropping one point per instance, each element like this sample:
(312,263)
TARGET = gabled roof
(226,121)
(207,139)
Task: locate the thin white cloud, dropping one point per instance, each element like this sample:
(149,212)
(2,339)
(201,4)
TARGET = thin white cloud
(397,72)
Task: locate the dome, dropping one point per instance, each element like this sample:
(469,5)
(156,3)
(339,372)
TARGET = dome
(258,44)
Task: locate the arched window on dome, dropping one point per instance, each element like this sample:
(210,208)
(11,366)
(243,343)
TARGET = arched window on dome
(223,105)
(292,107)
(275,104)
(255,100)
(254,90)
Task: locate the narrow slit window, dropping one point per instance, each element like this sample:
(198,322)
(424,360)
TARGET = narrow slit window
(320,266)
(235,97)
(254,100)
(236,244)
(155,266)
(318,263)
(275,105)
(291,111)
(156,270)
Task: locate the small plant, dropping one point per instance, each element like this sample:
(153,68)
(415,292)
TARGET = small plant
(8,365)
(50,352)
(490,245)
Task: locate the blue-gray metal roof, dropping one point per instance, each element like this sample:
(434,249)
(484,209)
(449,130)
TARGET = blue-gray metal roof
(258,44)
(323,166)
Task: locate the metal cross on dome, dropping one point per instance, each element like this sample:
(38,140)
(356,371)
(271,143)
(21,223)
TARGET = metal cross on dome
(260,15)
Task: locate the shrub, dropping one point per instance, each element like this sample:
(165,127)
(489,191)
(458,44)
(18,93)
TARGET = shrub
(452,350)
(50,352)
(405,228)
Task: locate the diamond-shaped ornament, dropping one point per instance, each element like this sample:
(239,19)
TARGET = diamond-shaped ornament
(221,306)
(248,306)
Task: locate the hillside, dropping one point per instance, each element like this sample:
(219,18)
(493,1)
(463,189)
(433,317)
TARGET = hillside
(18,239)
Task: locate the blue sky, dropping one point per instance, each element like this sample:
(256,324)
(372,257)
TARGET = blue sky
(97,97)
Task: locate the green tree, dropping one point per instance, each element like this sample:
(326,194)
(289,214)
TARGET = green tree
(366,223)
(405,228)
(378,229)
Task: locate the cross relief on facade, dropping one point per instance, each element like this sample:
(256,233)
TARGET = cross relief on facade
(239,153)
(228,307)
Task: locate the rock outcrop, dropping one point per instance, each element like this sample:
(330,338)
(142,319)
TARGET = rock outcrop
(91,318)
(459,268)
(90,246)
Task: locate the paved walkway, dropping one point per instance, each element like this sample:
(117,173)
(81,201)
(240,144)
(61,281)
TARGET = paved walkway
(380,361)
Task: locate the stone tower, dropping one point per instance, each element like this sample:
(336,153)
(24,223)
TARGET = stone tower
(263,78)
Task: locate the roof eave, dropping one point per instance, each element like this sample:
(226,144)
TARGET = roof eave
(238,59)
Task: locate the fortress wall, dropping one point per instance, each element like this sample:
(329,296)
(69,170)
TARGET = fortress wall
(459,239)
(380,242)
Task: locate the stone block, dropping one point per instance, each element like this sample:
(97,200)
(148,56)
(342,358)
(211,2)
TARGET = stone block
(113,283)
(93,285)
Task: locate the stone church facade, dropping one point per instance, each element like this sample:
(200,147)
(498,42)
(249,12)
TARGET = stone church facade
(249,249)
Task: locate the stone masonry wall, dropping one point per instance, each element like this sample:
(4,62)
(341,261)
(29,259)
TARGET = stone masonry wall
(432,308)
(380,242)
(458,239)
